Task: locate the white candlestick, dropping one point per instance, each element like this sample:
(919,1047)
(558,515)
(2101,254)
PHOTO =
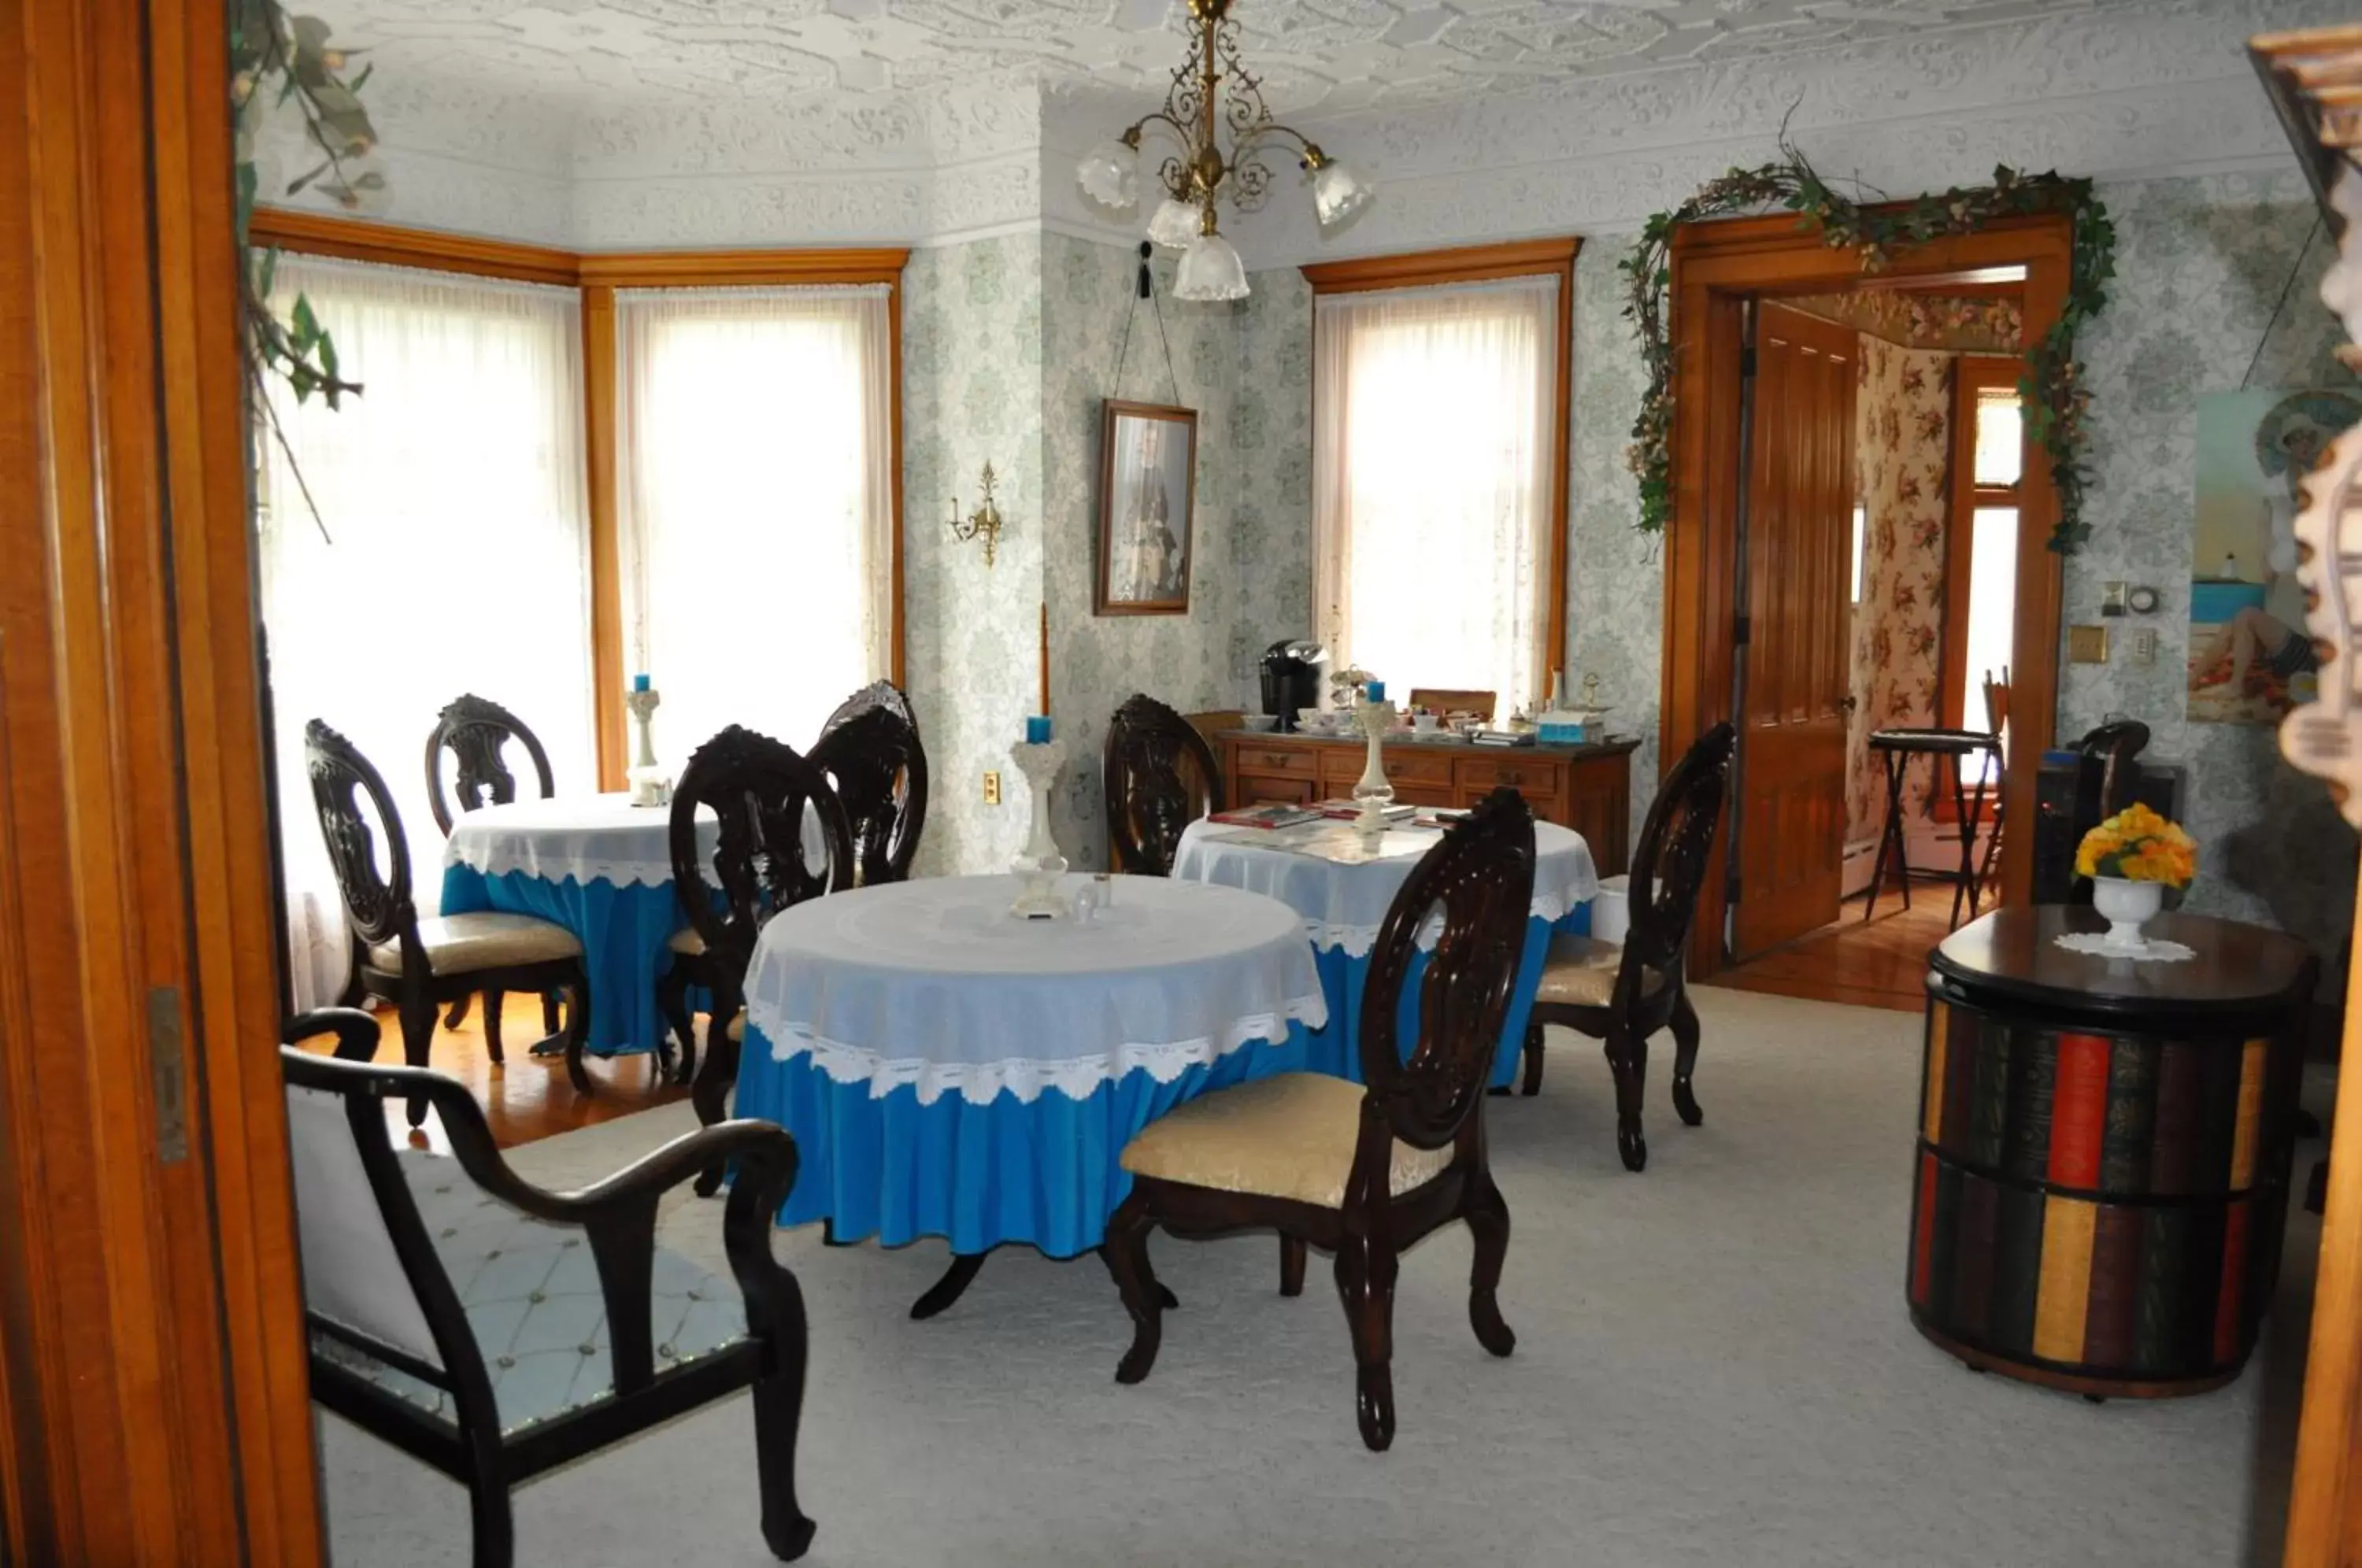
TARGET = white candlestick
(1371,790)
(1041,865)
(649,785)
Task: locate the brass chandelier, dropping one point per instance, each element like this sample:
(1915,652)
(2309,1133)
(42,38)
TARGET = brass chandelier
(1212,94)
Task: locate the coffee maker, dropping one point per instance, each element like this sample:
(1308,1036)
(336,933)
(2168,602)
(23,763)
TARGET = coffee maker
(1291,678)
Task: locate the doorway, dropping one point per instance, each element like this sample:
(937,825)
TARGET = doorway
(1771,568)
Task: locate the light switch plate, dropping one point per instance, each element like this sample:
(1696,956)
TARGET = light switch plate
(2087,645)
(2144,647)
(992,787)
(2112,598)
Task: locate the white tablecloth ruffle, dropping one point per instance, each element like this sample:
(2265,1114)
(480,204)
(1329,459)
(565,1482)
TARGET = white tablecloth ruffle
(933,983)
(1342,906)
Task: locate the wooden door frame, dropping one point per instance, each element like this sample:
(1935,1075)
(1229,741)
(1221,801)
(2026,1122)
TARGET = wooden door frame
(154,1385)
(1715,267)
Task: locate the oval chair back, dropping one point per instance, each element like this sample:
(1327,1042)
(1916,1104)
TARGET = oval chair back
(1159,775)
(377,899)
(1478,885)
(474,729)
(761,790)
(1669,866)
(870,752)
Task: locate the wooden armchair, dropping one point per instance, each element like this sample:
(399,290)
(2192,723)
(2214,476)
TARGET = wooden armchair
(1159,775)
(456,1311)
(762,791)
(870,752)
(421,965)
(1365,1171)
(475,730)
(1621,995)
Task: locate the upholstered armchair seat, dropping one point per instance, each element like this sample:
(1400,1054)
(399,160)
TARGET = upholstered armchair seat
(530,1293)
(489,939)
(1290,1136)
(1580,972)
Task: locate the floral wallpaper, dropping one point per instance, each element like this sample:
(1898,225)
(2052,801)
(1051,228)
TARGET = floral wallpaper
(1962,324)
(972,394)
(1902,450)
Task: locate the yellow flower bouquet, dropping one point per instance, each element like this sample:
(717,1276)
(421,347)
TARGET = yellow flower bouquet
(2138,846)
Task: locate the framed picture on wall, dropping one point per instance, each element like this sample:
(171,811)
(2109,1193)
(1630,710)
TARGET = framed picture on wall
(1148,469)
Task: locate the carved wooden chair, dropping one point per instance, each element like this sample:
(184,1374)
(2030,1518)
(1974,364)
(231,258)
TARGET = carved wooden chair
(496,1330)
(1159,775)
(1623,994)
(870,752)
(1362,1171)
(475,730)
(782,839)
(423,965)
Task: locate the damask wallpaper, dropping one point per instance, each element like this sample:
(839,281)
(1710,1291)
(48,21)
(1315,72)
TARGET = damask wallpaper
(1902,450)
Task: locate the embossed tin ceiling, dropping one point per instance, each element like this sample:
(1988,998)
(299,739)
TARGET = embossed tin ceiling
(1331,54)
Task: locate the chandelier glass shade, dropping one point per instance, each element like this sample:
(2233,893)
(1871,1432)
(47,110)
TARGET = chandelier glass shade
(1216,112)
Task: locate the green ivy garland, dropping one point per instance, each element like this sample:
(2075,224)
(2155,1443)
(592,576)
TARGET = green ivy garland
(2056,403)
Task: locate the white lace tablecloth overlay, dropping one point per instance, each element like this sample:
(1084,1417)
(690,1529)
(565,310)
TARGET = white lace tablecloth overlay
(1343,905)
(934,983)
(2155,949)
(582,836)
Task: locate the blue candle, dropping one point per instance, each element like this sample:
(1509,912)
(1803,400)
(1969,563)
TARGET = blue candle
(640,682)
(1037,729)
(1375,691)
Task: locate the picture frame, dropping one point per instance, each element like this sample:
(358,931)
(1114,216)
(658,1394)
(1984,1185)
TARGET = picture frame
(1148,497)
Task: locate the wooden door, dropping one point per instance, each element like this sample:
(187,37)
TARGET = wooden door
(1794,699)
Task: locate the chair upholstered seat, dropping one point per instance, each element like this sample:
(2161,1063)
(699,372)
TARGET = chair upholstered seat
(530,1293)
(463,944)
(686,940)
(1290,1136)
(1580,972)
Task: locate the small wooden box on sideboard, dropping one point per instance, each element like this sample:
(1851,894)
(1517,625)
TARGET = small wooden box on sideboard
(1586,787)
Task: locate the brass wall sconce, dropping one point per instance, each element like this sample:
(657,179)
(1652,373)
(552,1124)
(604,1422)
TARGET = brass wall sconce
(984,522)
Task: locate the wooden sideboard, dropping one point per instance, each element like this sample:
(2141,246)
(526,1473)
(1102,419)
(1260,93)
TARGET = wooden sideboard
(1586,787)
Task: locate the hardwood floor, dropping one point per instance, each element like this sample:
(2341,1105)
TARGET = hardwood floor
(1882,963)
(529,1097)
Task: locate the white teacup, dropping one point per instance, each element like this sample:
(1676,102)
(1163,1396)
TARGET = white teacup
(1311,719)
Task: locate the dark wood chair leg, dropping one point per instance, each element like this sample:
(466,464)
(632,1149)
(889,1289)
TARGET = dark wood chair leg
(1685,1025)
(1533,1084)
(578,1029)
(1488,1223)
(417,1015)
(778,1416)
(492,1026)
(1292,1252)
(940,1296)
(672,1001)
(458,1014)
(1366,1282)
(1126,1251)
(487,1510)
(710,1093)
(1627,1060)
(549,1013)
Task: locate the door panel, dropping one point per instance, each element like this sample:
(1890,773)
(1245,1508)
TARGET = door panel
(1793,721)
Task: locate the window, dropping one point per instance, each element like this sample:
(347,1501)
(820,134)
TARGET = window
(1437,479)
(755,492)
(1981,554)
(1861,562)
(455,555)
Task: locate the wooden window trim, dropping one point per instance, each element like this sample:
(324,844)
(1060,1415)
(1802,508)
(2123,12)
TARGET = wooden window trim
(1971,373)
(1485,264)
(596,275)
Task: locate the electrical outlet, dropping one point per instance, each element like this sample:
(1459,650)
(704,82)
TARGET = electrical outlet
(2143,647)
(992,787)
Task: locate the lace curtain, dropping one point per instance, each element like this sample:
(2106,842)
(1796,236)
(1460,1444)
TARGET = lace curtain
(756,449)
(457,556)
(1435,411)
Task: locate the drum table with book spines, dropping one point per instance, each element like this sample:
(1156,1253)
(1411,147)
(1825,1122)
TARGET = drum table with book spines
(2103,1150)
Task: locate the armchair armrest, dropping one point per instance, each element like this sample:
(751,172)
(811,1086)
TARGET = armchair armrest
(357,1033)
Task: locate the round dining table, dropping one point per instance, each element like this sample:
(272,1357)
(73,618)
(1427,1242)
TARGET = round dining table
(598,866)
(1341,888)
(951,1069)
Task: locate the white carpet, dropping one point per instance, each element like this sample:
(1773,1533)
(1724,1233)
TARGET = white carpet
(1714,1366)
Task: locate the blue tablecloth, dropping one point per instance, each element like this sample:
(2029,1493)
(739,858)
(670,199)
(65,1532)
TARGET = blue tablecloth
(623,931)
(948,1069)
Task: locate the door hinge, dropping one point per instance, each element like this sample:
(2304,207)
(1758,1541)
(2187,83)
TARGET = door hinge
(1742,631)
(1747,361)
(168,1064)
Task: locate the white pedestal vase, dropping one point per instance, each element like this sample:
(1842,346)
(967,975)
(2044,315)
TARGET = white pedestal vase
(1372,791)
(2125,904)
(1041,865)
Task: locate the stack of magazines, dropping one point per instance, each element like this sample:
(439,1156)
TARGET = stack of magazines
(1269,816)
(1503,737)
